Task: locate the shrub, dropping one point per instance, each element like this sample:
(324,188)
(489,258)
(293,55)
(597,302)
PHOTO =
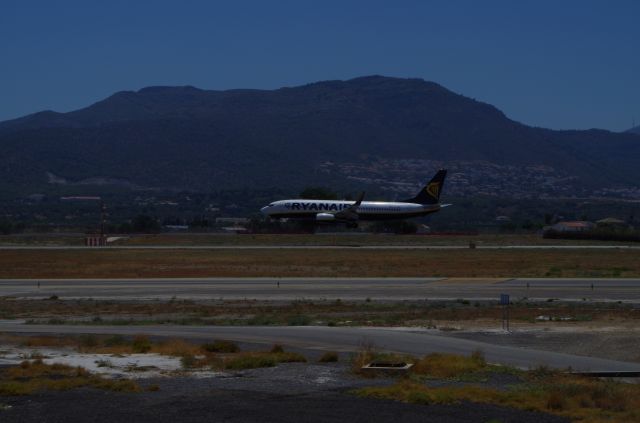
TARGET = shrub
(88,341)
(188,361)
(299,320)
(478,355)
(555,401)
(290,357)
(115,341)
(141,344)
(35,376)
(329,357)
(252,361)
(177,348)
(364,355)
(449,365)
(277,348)
(221,346)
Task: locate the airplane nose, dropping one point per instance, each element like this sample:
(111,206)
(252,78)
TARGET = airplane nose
(264,211)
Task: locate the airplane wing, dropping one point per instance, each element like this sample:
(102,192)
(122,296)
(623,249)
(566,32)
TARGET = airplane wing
(352,212)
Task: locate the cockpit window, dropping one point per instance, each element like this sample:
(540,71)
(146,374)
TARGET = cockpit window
(271,205)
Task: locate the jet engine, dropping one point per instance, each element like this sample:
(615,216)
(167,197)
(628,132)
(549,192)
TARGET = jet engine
(325,217)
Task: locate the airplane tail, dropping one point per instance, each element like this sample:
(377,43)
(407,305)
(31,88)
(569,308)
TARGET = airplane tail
(430,194)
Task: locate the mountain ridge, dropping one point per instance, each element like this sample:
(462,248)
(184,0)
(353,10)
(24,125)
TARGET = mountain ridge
(189,138)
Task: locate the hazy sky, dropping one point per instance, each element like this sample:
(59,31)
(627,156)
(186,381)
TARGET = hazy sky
(558,64)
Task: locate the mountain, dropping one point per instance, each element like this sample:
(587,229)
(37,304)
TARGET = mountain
(324,133)
(635,130)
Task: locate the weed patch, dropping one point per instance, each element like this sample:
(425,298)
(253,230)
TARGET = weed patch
(575,397)
(33,376)
(447,366)
(221,346)
(254,360)
(329,357)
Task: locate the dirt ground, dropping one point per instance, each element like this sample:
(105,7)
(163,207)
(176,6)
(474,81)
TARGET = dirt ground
(287,393)
(347,239)
(320,263)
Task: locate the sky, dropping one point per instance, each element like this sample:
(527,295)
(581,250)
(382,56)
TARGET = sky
(557,64)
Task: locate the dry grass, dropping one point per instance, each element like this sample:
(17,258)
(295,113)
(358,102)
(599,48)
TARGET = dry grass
(108,344)
(200,239)
(34,376)
(291,263)
(219,355)
(578,398)
(446,366)
(254,360)
(233,359)
(221,346)
(330,312)
(347,239)
(40,341)
(329,357)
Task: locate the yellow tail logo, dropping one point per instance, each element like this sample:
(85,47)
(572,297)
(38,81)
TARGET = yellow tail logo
(433,189)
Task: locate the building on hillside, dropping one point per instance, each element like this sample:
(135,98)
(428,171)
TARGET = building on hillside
(612,223)
(175,228)
(573,226)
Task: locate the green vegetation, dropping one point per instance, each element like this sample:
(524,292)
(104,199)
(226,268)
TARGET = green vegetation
(253,360)
(221,346)
(219,355)
(448,366)
(430,314)
(141,344)
(575,397)
(34,376)
(329,357)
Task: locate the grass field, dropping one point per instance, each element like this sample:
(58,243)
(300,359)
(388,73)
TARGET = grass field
(347,239)
(298,313)
(327,263)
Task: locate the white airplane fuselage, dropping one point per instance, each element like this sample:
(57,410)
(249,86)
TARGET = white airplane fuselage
(323,210)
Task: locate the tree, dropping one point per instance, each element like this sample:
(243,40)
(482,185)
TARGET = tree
(6,227)
(145,224)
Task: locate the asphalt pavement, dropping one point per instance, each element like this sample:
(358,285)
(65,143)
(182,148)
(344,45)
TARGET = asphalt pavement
(320,247)
(415,342)
(288,289)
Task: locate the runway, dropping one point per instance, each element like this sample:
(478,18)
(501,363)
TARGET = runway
(289,289)
(415,342)
(316,247)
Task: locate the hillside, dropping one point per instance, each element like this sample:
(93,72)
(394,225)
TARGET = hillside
(635,130)
(372,130)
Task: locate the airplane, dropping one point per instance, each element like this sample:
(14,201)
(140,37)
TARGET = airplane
(350,213)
